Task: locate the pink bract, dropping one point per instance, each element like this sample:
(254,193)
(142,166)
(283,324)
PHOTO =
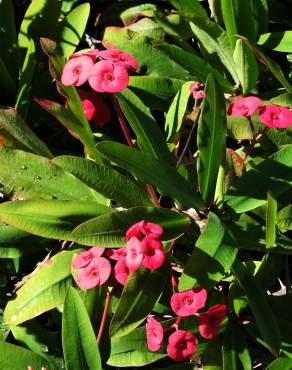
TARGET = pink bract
(195,86)
(76,71)
(96,273)
(102,115)
(244,106)
(90,53)
(107,76)
(188,303)
(152,250)
(181,345)
(210,321)
(197,95)
(275,116)
(90,103)
(152,230)
(117,254)
(135,230)
(83,259)
(134,254)
(154,334)
(120,58)
(121,271)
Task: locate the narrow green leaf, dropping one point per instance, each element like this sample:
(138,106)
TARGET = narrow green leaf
(38,177)
(78,339)
(41,18)
(49,218)
(72,28)
(140,294)
(25,81)
(8,39)
(211,258)
(250,190)
(149,135)
(167,180)
(19,358)
(247,68)
(174,116)
(44,290)
(8,86)
(280,364)
(259,307)
(271,221)
(12,123)
(215,41)
(108,230)
(238,19)
(189,7)
(211,139)
(278,41)
(284,218)
(105,180)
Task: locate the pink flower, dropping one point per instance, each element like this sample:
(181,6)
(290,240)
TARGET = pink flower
(96,273)
(120,58)
(90,53)
(195,86)
(76,71)
(121,271)
(181,345)
(244,106)
(152,250)
(197,95)
(90,103)
(142,228)
(134,254)
(83,259)
(107,76)
(188,303)
(117,254)
(210,320)
(275,116)
(102,115)
(154,334)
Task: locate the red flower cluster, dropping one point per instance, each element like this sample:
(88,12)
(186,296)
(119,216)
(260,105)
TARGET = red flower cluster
(272,115)
(197,90)
(108,74)
(143,247)
(182,344)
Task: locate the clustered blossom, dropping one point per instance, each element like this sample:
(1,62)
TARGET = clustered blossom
(182,343)
(143,247)
(272,115)
(106,71)
(197,90)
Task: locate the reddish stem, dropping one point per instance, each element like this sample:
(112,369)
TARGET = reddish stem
(255,138)
(174,283)
(126,132)
(104,314)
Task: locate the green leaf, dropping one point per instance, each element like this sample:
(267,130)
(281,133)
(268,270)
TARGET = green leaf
(167,180)
(8,39)
(284,218)
(155,92)
(247,68)
(25,81)
(41,18)
(271,65)
(13,126)
(7,87)
(72,28)
(250,190)
(211,139)
(280,364)
(38,177)
(278,41)
(78,339)
(174,116)
(271,221)
(211,258)
(259,307)
(140,294)
(45,289)
(215,41)
(189,7)
(238,19)
(49,218)
(18,358)
(133,358)
(108,230)
(130,15)
(149,135)
(105,181)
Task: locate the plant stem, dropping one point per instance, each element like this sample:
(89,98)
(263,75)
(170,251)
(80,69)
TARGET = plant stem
(126,132)
(104,314)
(255,138)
